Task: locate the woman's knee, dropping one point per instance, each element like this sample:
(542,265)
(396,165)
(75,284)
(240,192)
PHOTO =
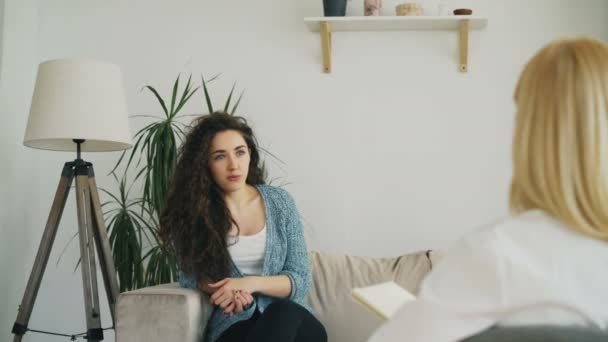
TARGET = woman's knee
(284,306)
(309,328)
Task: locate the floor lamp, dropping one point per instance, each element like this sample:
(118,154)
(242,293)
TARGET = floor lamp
(80,106)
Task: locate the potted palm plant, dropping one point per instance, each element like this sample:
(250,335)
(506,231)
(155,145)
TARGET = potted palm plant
(132,221)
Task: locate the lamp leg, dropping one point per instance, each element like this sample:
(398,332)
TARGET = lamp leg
(44,251)
(92,232)
(87,255)
(106,261)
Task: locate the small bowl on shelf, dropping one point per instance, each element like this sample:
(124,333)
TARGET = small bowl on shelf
(463,11)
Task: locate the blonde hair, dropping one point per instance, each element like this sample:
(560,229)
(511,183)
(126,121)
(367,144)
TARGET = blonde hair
(560,146)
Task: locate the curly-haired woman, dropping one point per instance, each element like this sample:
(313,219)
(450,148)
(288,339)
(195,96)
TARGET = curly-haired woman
(237,239)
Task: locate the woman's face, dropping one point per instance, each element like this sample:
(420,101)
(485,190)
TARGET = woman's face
(229,160)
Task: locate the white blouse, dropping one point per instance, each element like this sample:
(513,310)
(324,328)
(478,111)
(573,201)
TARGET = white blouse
(528,269)
(248,252)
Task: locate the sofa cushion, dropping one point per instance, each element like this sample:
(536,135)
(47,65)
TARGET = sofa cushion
(335,275)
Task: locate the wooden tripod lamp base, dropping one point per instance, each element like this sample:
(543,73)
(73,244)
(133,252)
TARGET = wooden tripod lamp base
(92,233)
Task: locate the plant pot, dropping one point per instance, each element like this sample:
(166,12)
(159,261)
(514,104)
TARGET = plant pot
(334,8)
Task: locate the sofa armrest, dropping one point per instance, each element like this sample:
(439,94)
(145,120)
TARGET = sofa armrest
(535,333)
(162,313)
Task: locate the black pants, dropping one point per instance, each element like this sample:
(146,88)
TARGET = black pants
(282,321)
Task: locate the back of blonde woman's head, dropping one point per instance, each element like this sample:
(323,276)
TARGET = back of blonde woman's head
(560,146)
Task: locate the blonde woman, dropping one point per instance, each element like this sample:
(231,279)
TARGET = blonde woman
(548,263)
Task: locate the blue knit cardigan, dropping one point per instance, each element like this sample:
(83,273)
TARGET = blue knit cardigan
(286,253)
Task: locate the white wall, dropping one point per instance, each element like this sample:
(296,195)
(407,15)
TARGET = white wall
(1,27)
(393,152)
(21,206)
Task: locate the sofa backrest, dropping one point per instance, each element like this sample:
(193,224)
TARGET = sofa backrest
(335,275)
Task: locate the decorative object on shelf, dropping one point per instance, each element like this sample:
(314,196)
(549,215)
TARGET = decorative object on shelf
(463,11)
(334,8)
(409,8)
(372,7)
(443,9)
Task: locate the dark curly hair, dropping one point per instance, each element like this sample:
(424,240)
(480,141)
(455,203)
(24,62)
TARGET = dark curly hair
(195,222)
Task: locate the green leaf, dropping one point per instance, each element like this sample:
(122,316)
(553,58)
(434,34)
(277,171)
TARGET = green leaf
(174,95)
(65,248)
(229,98)
(188,96)
(118,162)
(207,97)
(141,134)
(146,116)
(111,195)
(187,93)
(238,101)
(272,155)
(141,172)
(180,132)
(160,99)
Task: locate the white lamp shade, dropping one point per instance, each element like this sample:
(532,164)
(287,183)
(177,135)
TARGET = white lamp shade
(78,99)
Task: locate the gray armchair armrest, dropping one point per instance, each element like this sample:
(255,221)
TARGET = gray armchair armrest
(162,313)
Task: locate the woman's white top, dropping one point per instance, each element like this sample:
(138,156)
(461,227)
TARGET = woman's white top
(248,252)
(526,270)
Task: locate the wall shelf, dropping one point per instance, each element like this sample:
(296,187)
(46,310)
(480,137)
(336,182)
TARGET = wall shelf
(327,25)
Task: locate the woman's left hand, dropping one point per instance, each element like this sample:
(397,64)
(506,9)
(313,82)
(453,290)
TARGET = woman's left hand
(242,299)
(225,289)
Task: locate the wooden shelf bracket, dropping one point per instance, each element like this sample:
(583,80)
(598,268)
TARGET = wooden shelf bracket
(326,45)
(464,45)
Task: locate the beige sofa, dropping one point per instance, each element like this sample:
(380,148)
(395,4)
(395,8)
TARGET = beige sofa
(169,313)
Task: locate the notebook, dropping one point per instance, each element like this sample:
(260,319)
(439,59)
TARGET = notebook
(384,299)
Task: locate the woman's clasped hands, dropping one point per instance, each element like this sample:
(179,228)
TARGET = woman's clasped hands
(233,295)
